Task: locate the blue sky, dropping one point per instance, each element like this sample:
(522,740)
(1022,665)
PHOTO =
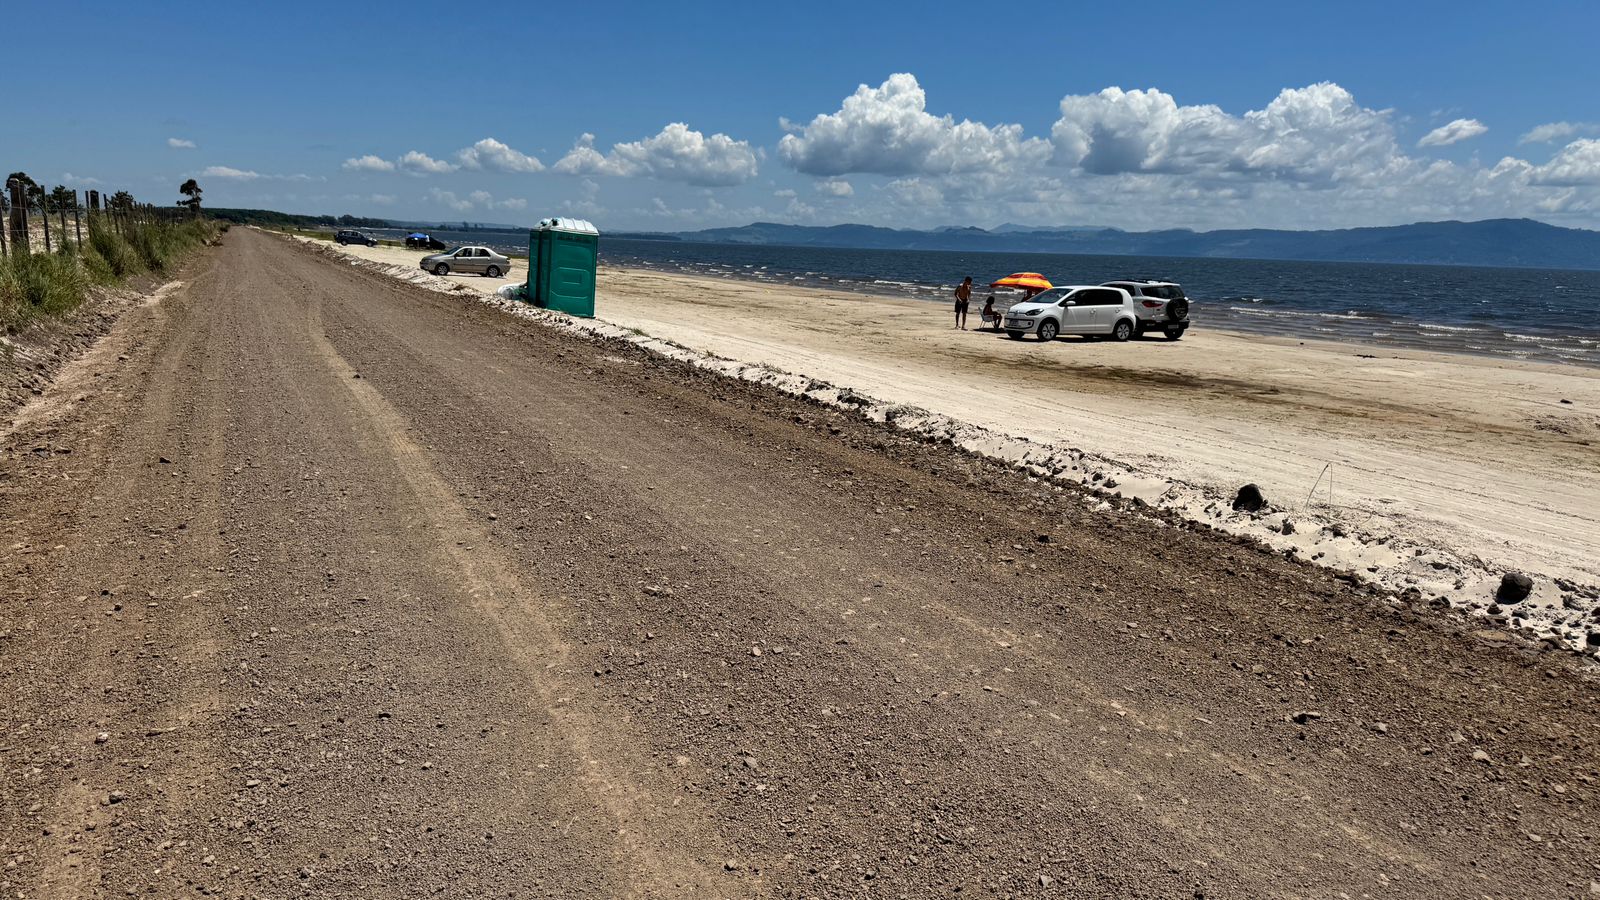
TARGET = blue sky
(909,114)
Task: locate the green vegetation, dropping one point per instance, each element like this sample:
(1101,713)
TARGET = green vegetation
(191,191)
(35,285)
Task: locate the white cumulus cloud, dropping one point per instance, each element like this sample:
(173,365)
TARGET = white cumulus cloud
(488,154)
(180,143)
(1555,131)
(449,198)
(1311,157)
(836,187)
(418,163)
(1577,164)
(475,200)
(232,174)
(1453,133)
(368,163)
(887,130)
(496,156)
(1316,134)
(677,153)
(229,172)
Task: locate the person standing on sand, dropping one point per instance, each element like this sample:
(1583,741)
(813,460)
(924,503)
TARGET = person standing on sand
(963,297)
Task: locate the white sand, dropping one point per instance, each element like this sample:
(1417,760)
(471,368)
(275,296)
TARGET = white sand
(1446,470)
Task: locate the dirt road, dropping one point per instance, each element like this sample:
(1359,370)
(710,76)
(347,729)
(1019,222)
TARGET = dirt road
(316,584)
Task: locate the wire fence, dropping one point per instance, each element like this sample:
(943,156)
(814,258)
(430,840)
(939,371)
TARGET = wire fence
(36,220)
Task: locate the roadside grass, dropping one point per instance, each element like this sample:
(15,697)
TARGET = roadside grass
(43,285)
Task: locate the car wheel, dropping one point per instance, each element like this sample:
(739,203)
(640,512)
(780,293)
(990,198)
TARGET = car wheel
(441,270)
(1048,329)
(1173,333)
(492,272)
(1123,330)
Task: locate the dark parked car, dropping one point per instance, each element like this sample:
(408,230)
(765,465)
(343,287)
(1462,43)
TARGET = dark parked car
(355,237)
(421,241)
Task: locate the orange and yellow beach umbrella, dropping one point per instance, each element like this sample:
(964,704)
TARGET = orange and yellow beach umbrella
(1027,280)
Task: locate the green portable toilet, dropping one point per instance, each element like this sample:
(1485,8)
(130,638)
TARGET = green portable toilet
(562,254)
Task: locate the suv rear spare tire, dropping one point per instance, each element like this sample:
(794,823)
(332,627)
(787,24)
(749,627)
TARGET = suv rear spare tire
(1178,310)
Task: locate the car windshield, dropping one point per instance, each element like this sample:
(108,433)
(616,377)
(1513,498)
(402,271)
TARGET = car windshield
(1050,296)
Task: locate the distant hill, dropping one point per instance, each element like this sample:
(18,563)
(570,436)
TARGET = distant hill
(1491,242)
(274,219)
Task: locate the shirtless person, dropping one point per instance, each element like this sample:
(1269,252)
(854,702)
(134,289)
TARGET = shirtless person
(963,296)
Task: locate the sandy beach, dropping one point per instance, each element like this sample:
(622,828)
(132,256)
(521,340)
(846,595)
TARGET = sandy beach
(1434,471)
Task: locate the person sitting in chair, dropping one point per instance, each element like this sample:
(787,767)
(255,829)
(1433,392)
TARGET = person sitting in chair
(990,314)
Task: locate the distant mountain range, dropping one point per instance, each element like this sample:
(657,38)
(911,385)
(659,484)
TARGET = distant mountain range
(1492,242)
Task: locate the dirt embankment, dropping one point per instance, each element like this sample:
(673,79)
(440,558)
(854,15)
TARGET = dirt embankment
(337,586)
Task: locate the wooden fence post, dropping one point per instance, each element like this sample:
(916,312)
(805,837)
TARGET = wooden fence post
(77,219)
(19,219)
(44,209)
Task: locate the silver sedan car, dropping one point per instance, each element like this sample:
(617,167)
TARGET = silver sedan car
(476,260)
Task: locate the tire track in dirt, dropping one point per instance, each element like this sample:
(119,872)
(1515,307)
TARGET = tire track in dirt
(663,849)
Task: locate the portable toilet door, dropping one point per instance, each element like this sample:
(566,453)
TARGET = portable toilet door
(562,257)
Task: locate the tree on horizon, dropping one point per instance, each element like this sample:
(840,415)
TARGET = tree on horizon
(191,190)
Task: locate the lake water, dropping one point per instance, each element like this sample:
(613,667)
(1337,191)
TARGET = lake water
(1539,314)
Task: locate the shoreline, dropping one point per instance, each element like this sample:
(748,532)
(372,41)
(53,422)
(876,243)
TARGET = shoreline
(1242,314)
(1226,315)
(1420,472)
(1273,338)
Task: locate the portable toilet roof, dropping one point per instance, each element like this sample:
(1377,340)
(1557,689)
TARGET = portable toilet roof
(574,226)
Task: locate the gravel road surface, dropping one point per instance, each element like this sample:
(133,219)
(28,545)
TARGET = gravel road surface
(316,584)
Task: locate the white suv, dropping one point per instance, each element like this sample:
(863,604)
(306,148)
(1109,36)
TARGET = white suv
(1076,309)
(1160,305)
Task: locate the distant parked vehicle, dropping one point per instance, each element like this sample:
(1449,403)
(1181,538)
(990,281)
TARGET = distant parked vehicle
(479,260)
(419,241)
(1075,309)
(1161,306)
(355,237)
